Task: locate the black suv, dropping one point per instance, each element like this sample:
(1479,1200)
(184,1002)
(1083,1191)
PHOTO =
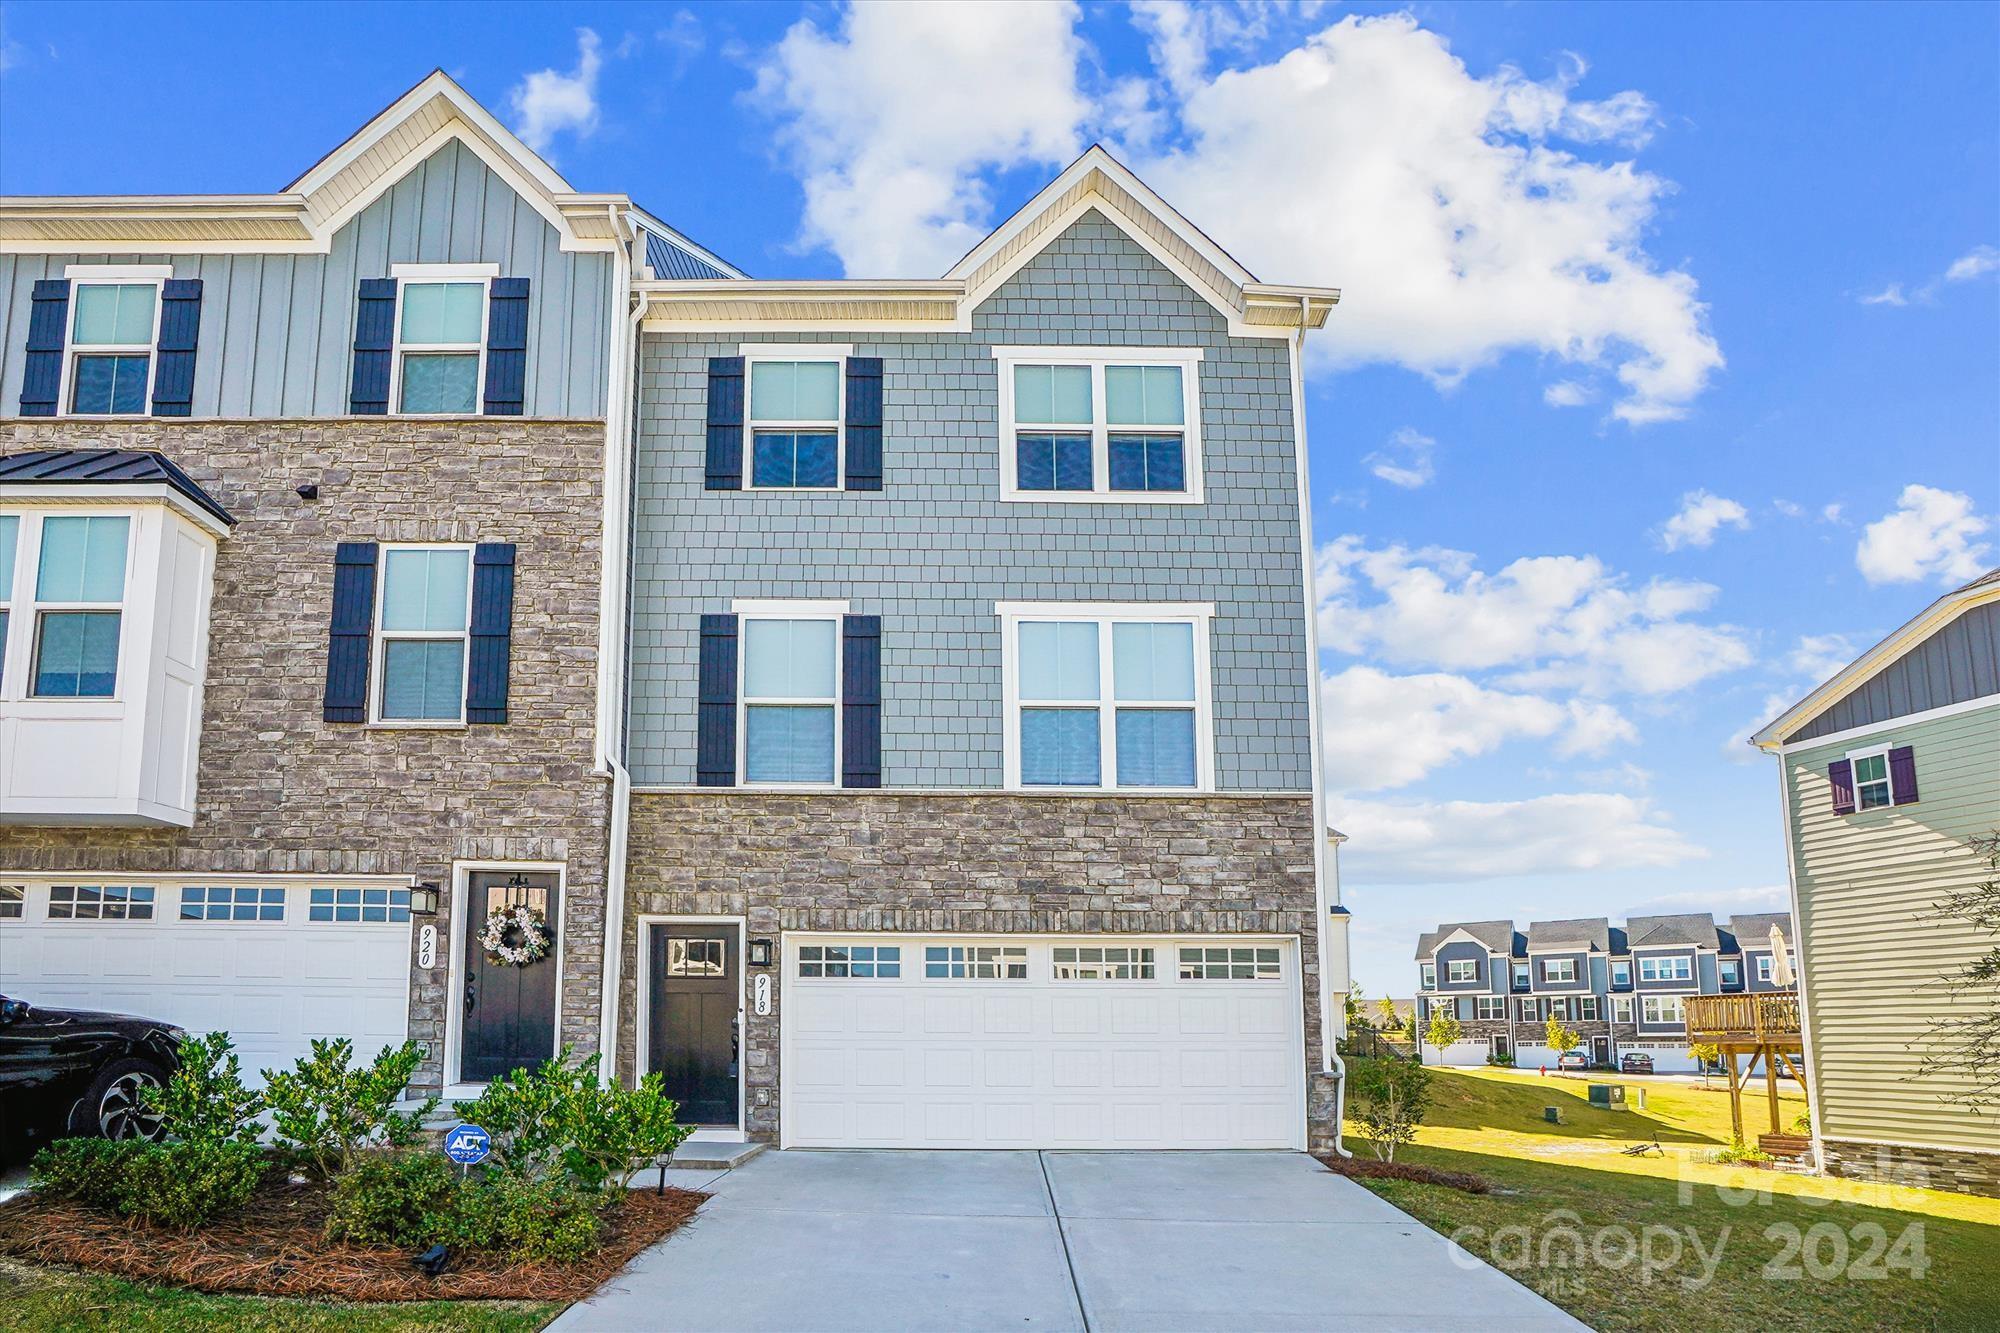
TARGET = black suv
(71,1071)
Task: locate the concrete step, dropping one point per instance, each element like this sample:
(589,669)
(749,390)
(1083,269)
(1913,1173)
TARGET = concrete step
(712,1156)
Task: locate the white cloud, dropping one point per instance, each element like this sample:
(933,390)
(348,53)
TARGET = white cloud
(1407,460)
(1701,515)
(1724,903)
(1977,262)
(1931,534)
(1831,513)
(1737,747)
(1370,158)
(1554,620)
(549,102)
(1974,263)
(891,117)
(1819,656)
(1456,841)
(683,37)
(1567,393)
(1890,295)
(1789,508)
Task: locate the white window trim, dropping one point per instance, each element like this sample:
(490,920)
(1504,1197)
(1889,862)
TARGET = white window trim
(1661,962)
(1621,1009)
(1764,967)
(1854,758)
(24,607)
(80,276)
(1452,966)
(837,353)
(1429,976)
(378,652)
(1548,971)
(1095,359)
(746,610)
(405,274)
(1484,1005)
(1106,614)
(1615,965)
(1647,1002)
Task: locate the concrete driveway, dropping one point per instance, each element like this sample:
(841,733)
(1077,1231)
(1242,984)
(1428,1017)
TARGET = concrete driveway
(1024,1240)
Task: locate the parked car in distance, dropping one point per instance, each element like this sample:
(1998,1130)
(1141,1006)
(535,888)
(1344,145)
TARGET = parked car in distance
(70,1072)
(1573,1060)
(1634,1063)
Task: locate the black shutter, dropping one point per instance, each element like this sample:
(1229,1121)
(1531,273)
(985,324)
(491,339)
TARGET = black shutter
(1840,776)
(715,747)
(861,701)
(180,330)
(1903,774)
(347,641)
(374,345)
(48,326)
(725,424)
(492,629)
(507,347)
(864,423)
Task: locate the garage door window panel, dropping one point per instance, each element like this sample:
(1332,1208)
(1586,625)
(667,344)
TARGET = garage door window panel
(358,905)
(976,962)
(238,903)
(1231,963)
(1105,963)
(852,962)
(105,902)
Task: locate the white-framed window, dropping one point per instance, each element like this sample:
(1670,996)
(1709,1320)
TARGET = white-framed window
(1729,971)
(1873,787)
(1490,1006)
(1621,1009)
(1103,696)
(1520,976)
(439,368)
(340,905)
(77,600)
(788,693)
(1461,971)
(1621,972)
(423,621)
(114,325)
(1100,424)
(1083,962)
(1430,971)
(232,903)
(976,962)
(858,962)
(1661,1008)
(1679,967)
(1586,1008)
(1559,971)
(1532,1011)
(1764,962)
(1231,963)
(795,410)
(101,902)
(13,901)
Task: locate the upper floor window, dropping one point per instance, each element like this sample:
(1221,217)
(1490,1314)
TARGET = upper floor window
(1490,1006)
(1764,968)
(795,415)
(1559,970)
(440,345)
(1731,971)
(1873,787)
(1661,1009)
(1520,976)
(79,594)
(1621,974)
(113,326)
(1430,976)
(422,621)
(1676,968)
(1106,695)
(790,724)
(1462,971)
(1084,423)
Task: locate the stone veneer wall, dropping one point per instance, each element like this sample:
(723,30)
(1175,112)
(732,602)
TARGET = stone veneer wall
(976,863)
(1916,1168)
(282,792)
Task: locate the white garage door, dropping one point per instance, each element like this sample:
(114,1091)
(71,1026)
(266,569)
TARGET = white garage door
(1085,1042)
(273,965)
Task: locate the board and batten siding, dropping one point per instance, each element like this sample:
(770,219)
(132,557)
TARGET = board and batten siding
(277,331)
(1876,955)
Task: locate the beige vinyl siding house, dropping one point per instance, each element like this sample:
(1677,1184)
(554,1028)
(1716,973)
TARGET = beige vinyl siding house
(1876,954)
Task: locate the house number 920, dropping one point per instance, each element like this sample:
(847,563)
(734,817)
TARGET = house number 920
(761,991)
(427,947)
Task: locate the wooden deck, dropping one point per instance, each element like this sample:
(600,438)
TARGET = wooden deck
(1768,1018)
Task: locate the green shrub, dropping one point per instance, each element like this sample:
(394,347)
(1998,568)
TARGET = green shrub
(559,1119)
(325,1111)
(187,1185)
(1739,1151)
(1388,1099)
(408,1199)
(90,1171)
(541,1220)
(204,1100)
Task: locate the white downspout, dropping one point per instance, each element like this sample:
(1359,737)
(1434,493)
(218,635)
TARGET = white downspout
(619,411)
(1329,1027)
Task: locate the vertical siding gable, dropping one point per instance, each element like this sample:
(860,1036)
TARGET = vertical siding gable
(1958,662)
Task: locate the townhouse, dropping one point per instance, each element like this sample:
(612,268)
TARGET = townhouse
(1889,778)
(1621,989)
(883,708)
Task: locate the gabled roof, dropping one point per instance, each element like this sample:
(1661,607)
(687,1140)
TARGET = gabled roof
(1979,592)
(1497,936)
(303,217)
(1590,933)
(1684,928)
(104,469)
(1753,931)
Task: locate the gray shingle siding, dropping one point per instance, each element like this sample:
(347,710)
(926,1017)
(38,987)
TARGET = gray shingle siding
(277,331)
(936,548)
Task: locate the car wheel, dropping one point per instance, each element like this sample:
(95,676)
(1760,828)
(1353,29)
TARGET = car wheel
(113,1107)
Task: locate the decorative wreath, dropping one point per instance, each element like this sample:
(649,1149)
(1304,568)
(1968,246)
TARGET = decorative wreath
(529,930)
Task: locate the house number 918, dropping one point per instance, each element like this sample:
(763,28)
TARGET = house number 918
(761,990)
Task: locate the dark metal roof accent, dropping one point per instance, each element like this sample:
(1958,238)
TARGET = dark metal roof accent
(105,467)
(670,260)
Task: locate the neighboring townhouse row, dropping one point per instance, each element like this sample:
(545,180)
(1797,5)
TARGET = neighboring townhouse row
(1620,989)
(1889,775)
(439,603)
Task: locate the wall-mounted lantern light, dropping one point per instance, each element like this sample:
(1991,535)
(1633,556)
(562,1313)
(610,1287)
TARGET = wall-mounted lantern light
(760,953)
(423,900)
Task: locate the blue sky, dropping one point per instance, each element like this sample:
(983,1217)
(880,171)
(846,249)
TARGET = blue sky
(1603,266)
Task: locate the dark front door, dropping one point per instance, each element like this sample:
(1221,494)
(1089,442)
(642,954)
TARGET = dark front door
(1600,1050)
(509,1014)
(692,1039)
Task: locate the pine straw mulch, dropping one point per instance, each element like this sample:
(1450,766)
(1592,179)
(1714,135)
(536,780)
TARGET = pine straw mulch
(1369,1169)
(277,1246)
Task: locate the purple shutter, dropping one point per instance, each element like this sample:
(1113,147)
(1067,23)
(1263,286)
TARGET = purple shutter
(1903,774)
(1840,774)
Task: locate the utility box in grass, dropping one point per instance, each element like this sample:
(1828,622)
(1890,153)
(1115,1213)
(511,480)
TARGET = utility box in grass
(1610,1096)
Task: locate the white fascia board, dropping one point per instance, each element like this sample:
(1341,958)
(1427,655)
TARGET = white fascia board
(435,84)
(1889,724)
(112,493)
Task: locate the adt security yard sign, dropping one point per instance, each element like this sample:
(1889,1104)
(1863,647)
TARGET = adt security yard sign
(468,1145)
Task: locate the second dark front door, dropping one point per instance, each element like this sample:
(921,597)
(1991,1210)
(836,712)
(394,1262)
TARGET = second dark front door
(509,1009)
(692,1039)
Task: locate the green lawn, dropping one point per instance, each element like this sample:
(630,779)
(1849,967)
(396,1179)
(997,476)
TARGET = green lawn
(1664,1242)
(47,1301)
